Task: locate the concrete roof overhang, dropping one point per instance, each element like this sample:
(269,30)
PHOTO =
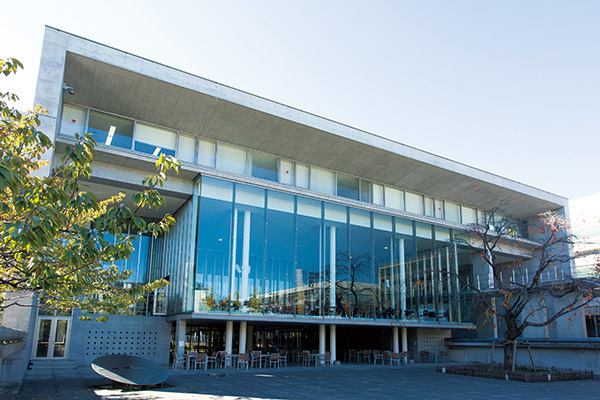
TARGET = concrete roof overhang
(118,82)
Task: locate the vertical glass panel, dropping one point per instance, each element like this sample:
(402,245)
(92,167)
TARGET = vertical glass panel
(251,279)
(322,180)
(43,338)
(337,292)
(109,130)
(356,278)
(377,194)
(404,226)
(423,230)
(153,140)
(424,273)
(334,212)
(280,264)
(414,203)
(347,186)
(382,222)
(214,241)
(206,153)
(365,191)
(469,215)
(309,274)
(73,120)
(60,339)
(264,167)
(394,198)
(186,148)
(286,173)
(429,210)
(439,209)
(302,174)
(386,267)
(452,212)
(231,159)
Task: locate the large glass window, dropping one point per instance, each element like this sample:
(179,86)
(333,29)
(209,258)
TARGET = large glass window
(394,198)
(232,159)
(186,148)
(286,172)
(153,140)
(302,176)
(469,215)
(365,191)
(360,286)
(309,265)
(338,267)
(264,167)
(414,203)
(322,180)
(347,186)
(73,120)
(206,153)
(377,194)
(110,130)
(452,211)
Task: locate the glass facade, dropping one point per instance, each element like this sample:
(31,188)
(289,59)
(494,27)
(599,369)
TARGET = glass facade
(263,251)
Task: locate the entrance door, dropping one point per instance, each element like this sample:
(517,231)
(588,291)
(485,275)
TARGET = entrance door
(51,339)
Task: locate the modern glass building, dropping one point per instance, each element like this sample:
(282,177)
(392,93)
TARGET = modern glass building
(291,229)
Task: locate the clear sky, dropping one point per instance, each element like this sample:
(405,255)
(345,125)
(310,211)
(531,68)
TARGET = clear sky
(511,87)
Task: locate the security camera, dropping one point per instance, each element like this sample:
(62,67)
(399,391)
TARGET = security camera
(68,88)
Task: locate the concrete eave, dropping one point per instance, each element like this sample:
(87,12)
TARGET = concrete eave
(118,82)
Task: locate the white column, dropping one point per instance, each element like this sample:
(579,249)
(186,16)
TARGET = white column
(243,329)
(245,257)
(395,341)
(402,276)
(332,258)
(228,336)
(404,339)
(332,343)
(250,335)
(180,337)
(233,255)
(322,339)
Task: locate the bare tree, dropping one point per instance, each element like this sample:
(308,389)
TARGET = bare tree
(519,291)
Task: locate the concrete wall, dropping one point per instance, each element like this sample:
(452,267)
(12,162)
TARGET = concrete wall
(21,318)
(577,356)
(146,337)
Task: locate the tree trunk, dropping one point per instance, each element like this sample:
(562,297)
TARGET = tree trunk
(508,354)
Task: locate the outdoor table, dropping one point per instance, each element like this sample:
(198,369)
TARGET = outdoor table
(190,359)
(360,355)
(318,357)
(266,358)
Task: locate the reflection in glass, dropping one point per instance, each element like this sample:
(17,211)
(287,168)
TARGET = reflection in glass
(264,167)
(110,130)
(153,140)
(231,159)
(73,120)
(347,186)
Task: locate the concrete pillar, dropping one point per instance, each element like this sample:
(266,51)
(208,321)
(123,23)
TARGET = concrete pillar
(332,277)
(395,341)
(250,338)
(404,339)
(332,342)
(180,337)
(228,336)
(243,328)
(322,339)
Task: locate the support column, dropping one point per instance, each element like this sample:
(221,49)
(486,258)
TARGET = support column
(243,329)
(332,343)
(402,273)
(332,275)
(322,339)
(180,338)
(404,339)
(244,295)
(228,336)
(233,255)
(395,341)
(250,335)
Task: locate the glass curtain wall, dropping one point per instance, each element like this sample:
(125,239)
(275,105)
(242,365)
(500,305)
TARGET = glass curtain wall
(262,251)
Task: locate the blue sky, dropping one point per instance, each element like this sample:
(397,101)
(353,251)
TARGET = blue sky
(510,87)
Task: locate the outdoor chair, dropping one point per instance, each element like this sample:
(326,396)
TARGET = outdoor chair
(201,360)
(296,356)
(177,361)
(351,355)
(274,360)
(367,356)
(222,359)
(395,359)
(387,357)
(425,356)
(243,360)
(306,358)
(327,358)
(404,356)
(283,357)
(441,356)
(255,355)
(377,356)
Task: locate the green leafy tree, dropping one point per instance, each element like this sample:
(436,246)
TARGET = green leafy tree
(57,242)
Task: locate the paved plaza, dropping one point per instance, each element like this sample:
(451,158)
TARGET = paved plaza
(419,381)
